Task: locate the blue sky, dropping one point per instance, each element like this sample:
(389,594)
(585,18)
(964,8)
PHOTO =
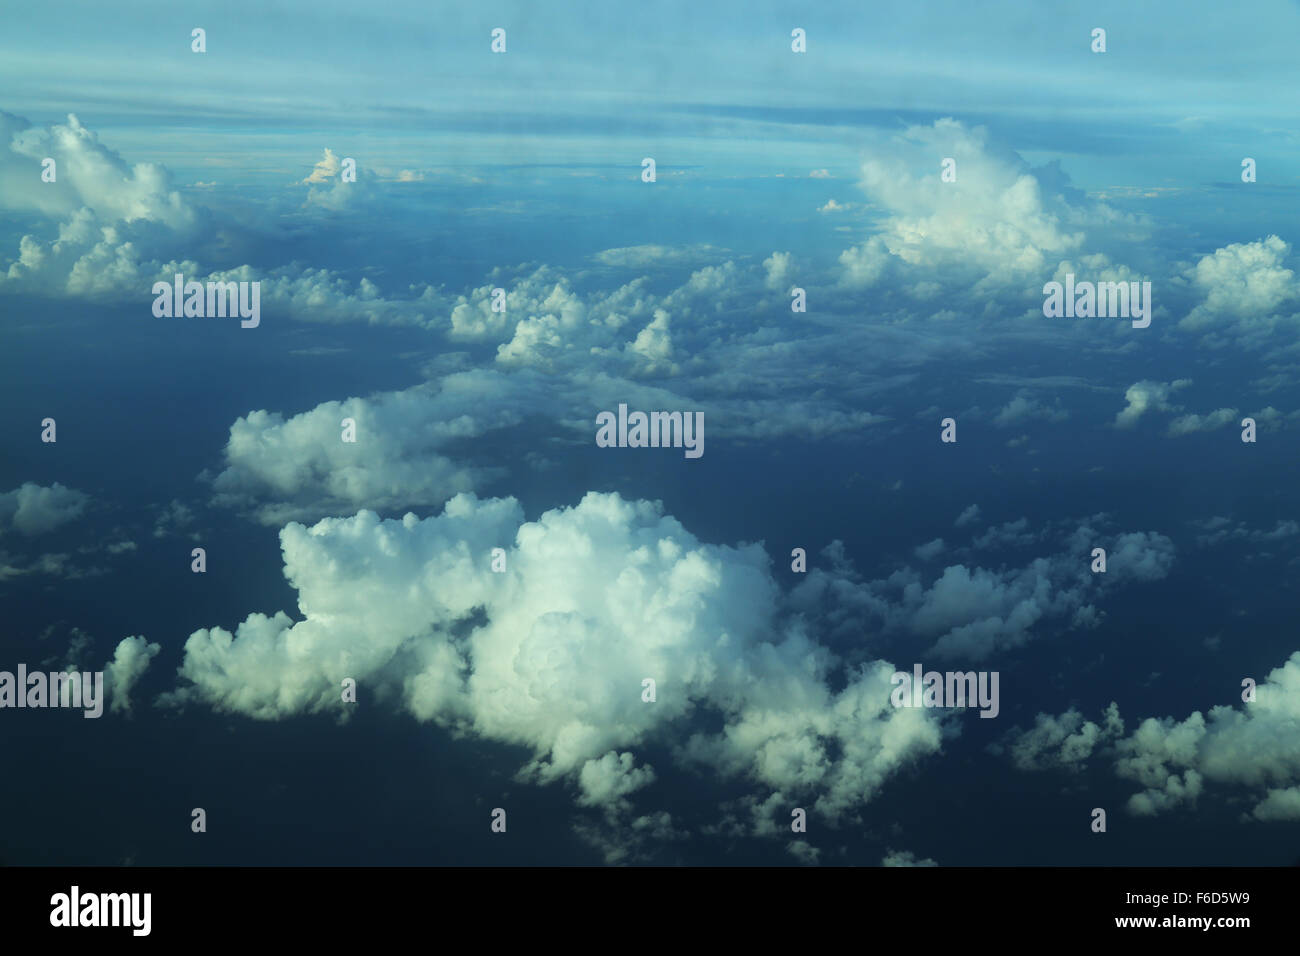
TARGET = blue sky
(776,171)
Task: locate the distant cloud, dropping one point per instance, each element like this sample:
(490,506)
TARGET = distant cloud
(325,170)
(1146,396)
(34,509)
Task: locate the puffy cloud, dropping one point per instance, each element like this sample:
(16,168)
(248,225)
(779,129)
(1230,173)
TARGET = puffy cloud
(300,467)
(551,653)
(780,271)
(611,778)
(1066,741)
(1281,804)
(89,176)
(326,169)
(968,516)
(1146,396)
(1242,283)
(1252,746)
(1141,556)
(34,509)
(130,661)
(1001,219)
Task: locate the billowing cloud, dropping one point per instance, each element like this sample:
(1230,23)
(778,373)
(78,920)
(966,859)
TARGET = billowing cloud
(552,653)
(1001,219)
(1243,285)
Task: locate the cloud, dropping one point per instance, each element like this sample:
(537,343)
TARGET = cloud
(1252,746)
(1024,408)
(905,858)
(1002,220)
(130,661)
(34,509)
(968,516)
(929,550)
(641,257)
(1188,424)
(279,468)
(780,271)
(89,176)
(1243,284)
(326,169)
(551,654)
(970,613)
(1146,396)
(1064,742)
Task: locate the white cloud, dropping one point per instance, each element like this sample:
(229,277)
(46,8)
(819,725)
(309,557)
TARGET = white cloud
(1146,396)
(1001,219)
(34,509)
(551,654)
(130,661)
(326,169)
(1243,285)
(780,271)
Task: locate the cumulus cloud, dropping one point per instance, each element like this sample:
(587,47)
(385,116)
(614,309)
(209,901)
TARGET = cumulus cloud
(33,509)
(130,661)
(1064,742)
(968,516)
(970,613)
(325,170)
(551,654)
(1001,219)
(1252,746)
(780,271)
(90,176)
(279,468)
(1243,284)
(1146,396)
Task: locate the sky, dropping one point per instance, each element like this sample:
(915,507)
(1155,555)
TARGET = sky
(430,590)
